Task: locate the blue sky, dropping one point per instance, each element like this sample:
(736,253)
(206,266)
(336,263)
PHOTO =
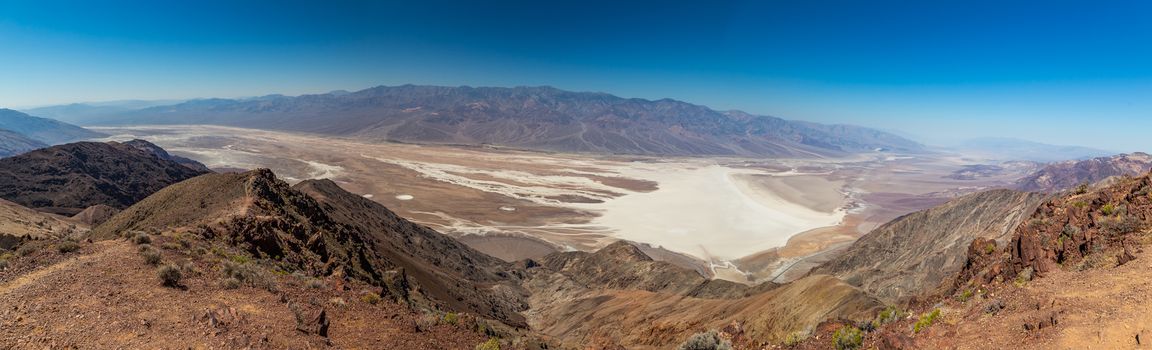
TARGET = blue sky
(1068,72)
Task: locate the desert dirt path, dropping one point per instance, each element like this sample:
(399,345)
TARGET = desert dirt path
(62,267)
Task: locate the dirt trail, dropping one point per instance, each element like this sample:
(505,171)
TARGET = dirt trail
(63,267)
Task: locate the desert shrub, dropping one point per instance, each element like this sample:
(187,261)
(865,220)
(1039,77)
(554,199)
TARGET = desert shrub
(926,321)
(1121,225)
(151,255)
(67,247)
(451,318)
(338,302)
(1079,204)
(27,248)
(370,298)
(1082,188)
(990,248)
(142,238)
(888,315)
(315,283)
(249,274)
(170,246)
(709,340)
(795,338)
(230,283)
(1108,209)
(964,296)
(490,344)
(847,338)
(170,275)
(189,268)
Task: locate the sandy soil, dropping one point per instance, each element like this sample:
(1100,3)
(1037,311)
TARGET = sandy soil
(714,210)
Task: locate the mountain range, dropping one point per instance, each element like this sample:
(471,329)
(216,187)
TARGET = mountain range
(534,118)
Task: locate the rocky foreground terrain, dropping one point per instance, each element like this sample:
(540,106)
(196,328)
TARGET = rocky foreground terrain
(244,260)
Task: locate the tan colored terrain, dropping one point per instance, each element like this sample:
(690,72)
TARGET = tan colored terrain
(584,202)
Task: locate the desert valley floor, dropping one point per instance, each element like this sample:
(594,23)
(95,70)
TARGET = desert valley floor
(746,220)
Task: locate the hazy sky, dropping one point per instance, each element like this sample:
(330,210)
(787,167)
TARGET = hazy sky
(1068,72)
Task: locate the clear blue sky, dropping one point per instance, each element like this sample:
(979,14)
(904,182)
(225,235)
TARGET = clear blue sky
(1070,72)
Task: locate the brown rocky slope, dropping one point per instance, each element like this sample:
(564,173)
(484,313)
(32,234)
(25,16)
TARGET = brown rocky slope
(917,254)
(319,229)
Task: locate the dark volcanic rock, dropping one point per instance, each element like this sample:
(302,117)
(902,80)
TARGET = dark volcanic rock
(67,179)
(160,152)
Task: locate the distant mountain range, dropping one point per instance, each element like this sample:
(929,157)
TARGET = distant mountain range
(1069,174)
(535,118)
(1001,148)
(43,130)
(13,143)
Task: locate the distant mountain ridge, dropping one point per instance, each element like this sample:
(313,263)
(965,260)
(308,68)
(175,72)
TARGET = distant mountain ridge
(66,179)
(43,130)
(536,118)
(1069,174)
(13,143)
(1003,148)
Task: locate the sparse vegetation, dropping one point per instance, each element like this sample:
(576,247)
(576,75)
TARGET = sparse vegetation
(888,315)
(709,340)
(964,296)
(990,248)
(27,248)
(490,344)
(189,268)
(795,338)
(338,302)
(230,283)
(1082,188)
(142,238)
(248,274)
(1108,209)
(926,320)
(151,255)
(451,318)
(370,298)
(170,275)
(848,338)
(315,283)
(1121,225)
(66,247)
(170,246)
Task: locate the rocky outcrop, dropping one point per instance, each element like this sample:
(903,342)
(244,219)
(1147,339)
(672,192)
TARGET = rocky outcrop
(1097,228)
(318,228)
(67,179)
(1070,174)
(919,253)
